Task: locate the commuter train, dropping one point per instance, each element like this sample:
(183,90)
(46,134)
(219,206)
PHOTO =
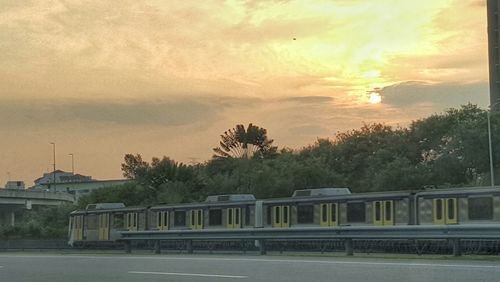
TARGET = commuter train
(323,207)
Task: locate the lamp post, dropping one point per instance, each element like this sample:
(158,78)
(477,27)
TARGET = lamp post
(492,173)
(54,172)
(72,163)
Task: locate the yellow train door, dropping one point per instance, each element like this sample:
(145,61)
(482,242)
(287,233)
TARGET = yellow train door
(132,221)
(383,213)
(78,227)
(162,220)
(281,216)
(196,217)
(445,211)
(328,215)
(233,217)
(104,226)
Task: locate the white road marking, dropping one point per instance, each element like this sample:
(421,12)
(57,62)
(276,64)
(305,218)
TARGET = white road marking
(343,262)
(188,274)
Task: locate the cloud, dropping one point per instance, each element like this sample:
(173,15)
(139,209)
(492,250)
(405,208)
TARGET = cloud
(175,112)
(439,96)
(309,99)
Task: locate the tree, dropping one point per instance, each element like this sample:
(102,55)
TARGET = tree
(134,167)
(241,143)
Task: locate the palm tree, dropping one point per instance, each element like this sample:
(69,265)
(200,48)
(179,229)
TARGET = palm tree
(241,143)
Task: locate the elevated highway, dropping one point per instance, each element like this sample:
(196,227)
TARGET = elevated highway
(14,202)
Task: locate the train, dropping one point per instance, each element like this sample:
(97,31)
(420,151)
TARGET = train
(320,207)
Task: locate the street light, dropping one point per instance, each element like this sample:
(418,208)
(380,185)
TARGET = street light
(54,172)
(72,163)
(492,175)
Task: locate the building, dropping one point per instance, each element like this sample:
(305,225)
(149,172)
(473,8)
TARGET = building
(19,185)
(60,176)
(76,184)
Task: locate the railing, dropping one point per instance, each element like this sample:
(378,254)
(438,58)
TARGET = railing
(454,233)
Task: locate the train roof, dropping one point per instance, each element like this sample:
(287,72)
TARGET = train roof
(214,201)
(107,207)
(317,197)
(460,191)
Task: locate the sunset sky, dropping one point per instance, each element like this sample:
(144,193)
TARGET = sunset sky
(105,78)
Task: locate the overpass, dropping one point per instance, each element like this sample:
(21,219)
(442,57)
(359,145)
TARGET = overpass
(13,202)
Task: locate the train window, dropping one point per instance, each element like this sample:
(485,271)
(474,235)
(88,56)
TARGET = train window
(165,218)
(180,218)
(229,216)
(305,214)
(324,213)
(92,222)
(356,212)
(285,215)
(200,217)
(377,211)
(439,209)
(237,216)
(480,208)
(334,213)
(388,210)
(118,220)
(215,217)
(247,215)
(159,216)
(451,208)
(277,214)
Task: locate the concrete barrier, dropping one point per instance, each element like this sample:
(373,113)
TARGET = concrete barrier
(6,245)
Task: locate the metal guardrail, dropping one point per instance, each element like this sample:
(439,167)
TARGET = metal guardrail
(454,233)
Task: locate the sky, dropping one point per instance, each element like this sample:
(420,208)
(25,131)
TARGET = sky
(102,79)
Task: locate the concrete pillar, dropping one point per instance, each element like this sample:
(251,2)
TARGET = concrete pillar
(12,218)
(348,247)
(189,246)
(456,247)
(157,247)
(262,247)
(128,247)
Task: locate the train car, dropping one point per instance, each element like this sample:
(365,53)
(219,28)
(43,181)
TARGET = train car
(220,211)
(329,207)
(459,206)
(101,222)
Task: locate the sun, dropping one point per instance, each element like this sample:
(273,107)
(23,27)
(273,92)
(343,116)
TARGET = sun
(375,98)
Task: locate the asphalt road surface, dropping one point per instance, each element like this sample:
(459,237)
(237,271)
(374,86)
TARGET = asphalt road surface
(41,267)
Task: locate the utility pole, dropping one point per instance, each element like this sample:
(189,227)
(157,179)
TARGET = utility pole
(72,163)
(54,172)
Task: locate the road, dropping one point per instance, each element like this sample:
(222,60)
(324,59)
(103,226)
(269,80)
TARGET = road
(42,267)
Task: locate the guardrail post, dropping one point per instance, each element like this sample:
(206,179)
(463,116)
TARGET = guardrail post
(157,247)
(262,247)
(128,247)
(348,247)
(456,247)
(189,246)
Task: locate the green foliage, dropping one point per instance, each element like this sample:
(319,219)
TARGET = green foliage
(241,143)
(40,223)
